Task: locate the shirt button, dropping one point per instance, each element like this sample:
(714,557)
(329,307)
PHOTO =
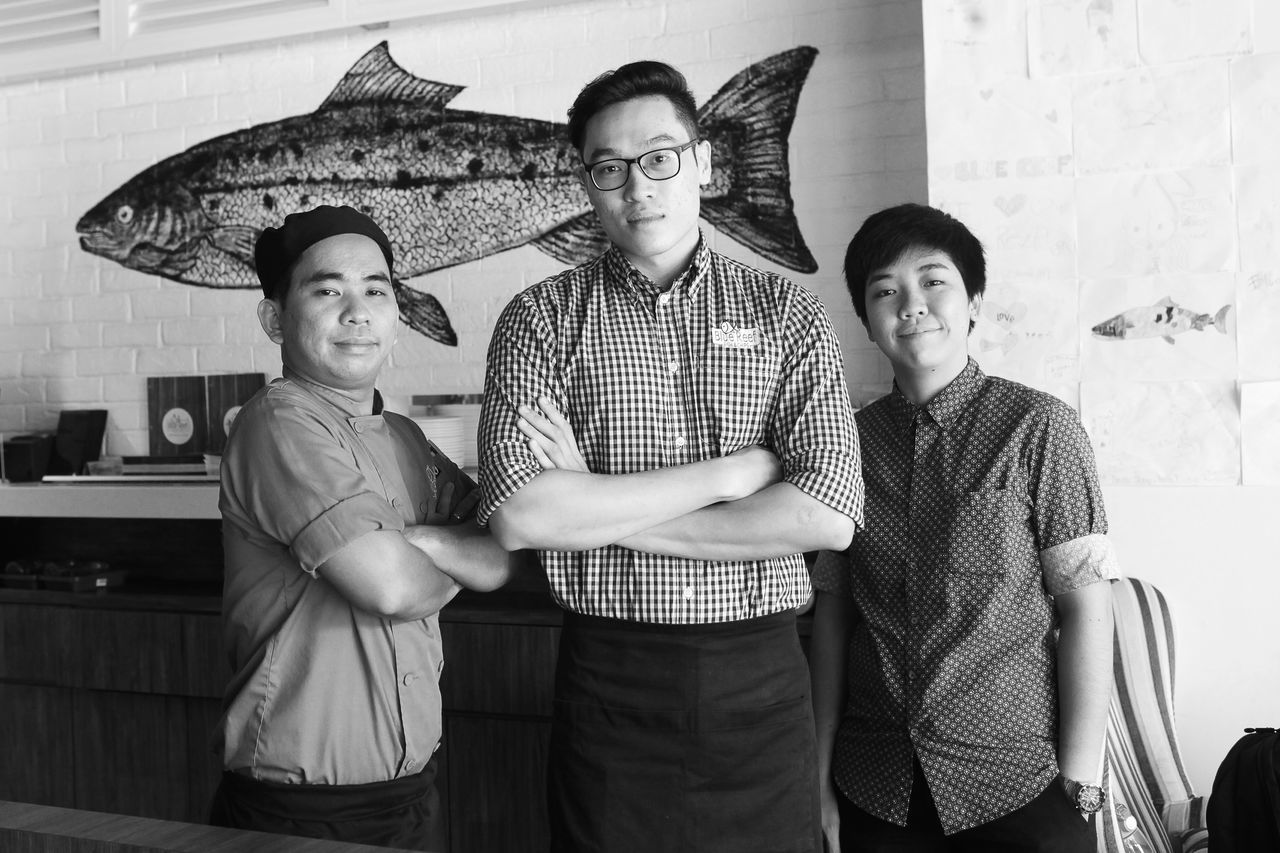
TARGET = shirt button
(395,502)
(410,765)
(422,507)
(440,667)
(673,366)
(679,442)
(664,298)
(409,678)
(688,593)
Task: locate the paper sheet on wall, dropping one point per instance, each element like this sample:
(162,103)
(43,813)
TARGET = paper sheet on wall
(1260,433)
(1027,332)
(1191,29)
(1258,215)
(1159,328)
(1163,433)
(1007,129)
(1157,222)
(1070,37)
(1156,118)
(1255,106)
(1028,230)
(977,40)
(1259,335)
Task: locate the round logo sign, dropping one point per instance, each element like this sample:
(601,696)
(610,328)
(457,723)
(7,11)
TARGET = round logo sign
(177,426)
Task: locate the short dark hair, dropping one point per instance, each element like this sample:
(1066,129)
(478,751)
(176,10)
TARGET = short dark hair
(634,80)
(889,234)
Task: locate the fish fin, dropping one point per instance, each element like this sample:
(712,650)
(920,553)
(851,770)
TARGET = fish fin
(377,78)
(1166,302)
(237,241)
(423,313)
(1222,320)
(754,112)
(576,241)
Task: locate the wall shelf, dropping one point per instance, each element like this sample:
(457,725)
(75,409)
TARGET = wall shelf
(103,500)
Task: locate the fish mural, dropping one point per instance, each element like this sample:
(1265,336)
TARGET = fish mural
(448,186)
(1162,320)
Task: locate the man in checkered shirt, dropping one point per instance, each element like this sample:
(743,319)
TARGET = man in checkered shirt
(706,442)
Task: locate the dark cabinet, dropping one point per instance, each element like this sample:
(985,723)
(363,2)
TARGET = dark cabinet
(109,709)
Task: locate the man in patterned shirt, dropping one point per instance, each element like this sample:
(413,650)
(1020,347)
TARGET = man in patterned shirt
(966,633)
(674,541)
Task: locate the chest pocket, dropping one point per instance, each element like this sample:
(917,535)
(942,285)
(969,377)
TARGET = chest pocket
(736,389)
(988,532)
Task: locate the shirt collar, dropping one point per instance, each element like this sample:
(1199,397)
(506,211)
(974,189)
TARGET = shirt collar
(947,405)
(334,398)
(620,269)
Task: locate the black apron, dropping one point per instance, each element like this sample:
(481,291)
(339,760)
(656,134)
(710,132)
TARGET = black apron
(677,738)
(403,812)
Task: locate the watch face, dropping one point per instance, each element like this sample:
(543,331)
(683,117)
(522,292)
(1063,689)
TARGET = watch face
(1090,798)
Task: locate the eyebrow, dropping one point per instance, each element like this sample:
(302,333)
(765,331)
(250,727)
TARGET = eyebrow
(932,265)
(321,276)
(611,153)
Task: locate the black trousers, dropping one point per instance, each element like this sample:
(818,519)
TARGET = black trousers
(403,813)
(1048,824)
(682,739)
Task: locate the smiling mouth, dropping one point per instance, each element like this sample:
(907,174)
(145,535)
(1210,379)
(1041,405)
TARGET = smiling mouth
(916,332)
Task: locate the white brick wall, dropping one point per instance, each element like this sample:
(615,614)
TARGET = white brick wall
(77,330)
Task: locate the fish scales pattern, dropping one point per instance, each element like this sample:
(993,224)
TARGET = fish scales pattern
(448,186)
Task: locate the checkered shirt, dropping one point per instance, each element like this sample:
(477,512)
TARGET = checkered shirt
(728,357)
(981,506)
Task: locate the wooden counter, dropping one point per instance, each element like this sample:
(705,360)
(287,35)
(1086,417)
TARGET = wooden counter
(48,829)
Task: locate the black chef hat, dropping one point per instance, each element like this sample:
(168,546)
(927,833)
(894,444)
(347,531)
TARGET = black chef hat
(278,248)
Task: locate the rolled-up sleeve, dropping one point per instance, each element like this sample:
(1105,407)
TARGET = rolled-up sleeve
(290,477)
(520,370)
(813,428)
(1070,520)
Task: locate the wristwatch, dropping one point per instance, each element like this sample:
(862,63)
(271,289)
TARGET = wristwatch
(1088,798)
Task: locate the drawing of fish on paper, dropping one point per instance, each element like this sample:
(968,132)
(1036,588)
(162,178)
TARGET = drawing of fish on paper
(1162,320)
(448,186)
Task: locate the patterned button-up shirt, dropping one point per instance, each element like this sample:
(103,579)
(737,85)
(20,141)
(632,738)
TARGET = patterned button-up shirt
(728,357)
(981,506)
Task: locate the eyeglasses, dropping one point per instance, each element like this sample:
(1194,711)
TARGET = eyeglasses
(661,164)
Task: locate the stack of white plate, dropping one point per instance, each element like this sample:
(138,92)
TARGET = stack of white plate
(470,415)
(447,433)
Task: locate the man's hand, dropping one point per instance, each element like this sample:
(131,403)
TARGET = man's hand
(551,438)
(830,818)
(554,445)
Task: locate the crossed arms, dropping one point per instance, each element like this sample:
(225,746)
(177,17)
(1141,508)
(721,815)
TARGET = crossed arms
(730,508)
(411,575)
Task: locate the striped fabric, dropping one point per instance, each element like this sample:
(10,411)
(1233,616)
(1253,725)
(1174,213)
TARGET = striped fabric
(1143,763)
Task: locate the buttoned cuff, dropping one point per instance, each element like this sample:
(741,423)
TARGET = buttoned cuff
(340,525)
(1078,563)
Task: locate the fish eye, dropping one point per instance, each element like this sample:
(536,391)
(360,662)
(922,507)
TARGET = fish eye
(124,215)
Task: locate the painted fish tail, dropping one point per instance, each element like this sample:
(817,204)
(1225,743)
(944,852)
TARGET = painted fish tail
(750,119)
(1222,321)
(423,313)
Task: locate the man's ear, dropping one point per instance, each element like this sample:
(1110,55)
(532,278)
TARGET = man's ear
(269,318)
(703,151)
(866,327)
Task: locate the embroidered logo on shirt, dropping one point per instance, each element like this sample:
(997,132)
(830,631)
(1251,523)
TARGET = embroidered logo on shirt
(734,338)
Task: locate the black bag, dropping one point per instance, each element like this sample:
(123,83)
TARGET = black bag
(1244,806)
